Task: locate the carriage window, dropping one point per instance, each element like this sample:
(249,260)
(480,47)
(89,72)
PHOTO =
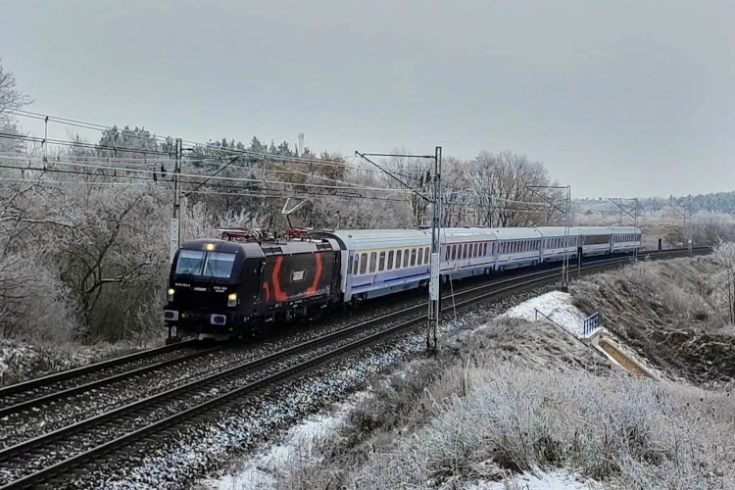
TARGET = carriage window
(421,256)
(477,249)
(398,259)
(413,257)
(355,264)
(381,262)
(446,254)
(454,252)
(363,263)
(373,261)
(405,258)
(484,248)
(464,251)
(426,255)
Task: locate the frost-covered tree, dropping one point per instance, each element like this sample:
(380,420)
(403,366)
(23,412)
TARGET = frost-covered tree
(10,96)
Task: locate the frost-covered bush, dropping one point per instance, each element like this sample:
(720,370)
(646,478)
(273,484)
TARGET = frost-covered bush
(36,304)
(638,433)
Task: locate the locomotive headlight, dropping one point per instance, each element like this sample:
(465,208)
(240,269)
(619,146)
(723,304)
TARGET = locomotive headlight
(232,299)
(209,247)
(170,294)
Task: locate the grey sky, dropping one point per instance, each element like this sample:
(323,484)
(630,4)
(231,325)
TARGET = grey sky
(616,97)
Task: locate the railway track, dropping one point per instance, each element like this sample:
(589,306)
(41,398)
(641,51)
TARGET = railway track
(49,457)
(43,391)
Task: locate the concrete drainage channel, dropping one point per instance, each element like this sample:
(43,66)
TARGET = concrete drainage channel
(618,356)
(56,472)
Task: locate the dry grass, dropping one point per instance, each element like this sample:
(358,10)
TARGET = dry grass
(673,312)
(515,396)
(636,433)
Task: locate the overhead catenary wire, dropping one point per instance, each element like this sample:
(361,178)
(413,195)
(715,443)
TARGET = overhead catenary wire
(199,176)
(259,192)
(167,139)
(208,192)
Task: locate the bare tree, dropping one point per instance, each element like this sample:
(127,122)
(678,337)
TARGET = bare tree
(501,187)
(10,97)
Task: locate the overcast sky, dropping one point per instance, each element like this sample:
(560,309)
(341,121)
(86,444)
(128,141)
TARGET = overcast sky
(617,98)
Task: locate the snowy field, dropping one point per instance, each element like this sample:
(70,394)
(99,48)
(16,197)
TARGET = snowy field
(557,480)
(262,470)
(556,305)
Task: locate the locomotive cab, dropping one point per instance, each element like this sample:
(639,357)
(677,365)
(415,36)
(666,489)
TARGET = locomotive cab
(213,288)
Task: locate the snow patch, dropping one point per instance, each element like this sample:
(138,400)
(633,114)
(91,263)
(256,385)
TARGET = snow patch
(556,305)
(299,447)
(557,480)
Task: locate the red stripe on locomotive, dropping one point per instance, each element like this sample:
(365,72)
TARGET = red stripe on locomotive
(291,277)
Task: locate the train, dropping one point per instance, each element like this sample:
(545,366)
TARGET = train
(237,286)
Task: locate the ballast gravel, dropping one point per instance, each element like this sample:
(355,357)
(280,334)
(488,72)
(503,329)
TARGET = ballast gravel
(180,457)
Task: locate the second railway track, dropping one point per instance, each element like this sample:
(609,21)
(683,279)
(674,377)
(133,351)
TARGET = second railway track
(45,458)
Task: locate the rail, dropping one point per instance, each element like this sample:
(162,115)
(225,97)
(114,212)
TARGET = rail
(54,469)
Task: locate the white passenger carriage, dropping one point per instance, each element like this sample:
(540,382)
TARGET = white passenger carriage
(380,262)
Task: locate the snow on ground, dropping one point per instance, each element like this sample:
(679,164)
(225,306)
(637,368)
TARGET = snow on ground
(17,359)
(556,480)
(261,471)
(20,361)
(555,305)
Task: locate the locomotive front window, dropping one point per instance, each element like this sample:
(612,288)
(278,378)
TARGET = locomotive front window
(219,265)
(190,262)
(196,263)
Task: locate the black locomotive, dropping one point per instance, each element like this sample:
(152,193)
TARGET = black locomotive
(221,289)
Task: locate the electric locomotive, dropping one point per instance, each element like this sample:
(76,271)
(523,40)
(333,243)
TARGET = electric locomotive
(222,289)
